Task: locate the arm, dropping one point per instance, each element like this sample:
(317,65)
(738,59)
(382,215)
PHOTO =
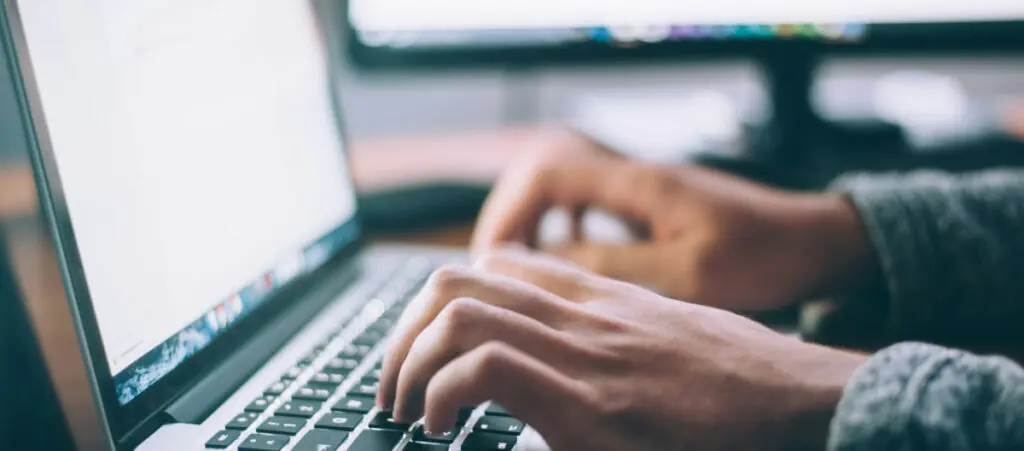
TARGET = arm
(921,397)
(951,252)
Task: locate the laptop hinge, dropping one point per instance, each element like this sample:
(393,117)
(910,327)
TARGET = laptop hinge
(197,403)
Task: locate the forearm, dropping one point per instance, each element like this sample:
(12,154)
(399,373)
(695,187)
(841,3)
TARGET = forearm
(921,397)
(950,252)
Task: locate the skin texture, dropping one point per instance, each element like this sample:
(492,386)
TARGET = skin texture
(704,236)
(599,364)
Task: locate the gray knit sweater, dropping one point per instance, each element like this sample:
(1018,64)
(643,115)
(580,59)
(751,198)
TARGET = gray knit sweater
(951,251)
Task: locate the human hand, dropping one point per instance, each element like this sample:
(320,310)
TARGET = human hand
(708,237)
(596,364)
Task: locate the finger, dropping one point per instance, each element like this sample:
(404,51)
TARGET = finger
(464,325)
(576,229)
(641,264)
(450,283)
(524,194)
(550,273)
(512,212)
(523,385)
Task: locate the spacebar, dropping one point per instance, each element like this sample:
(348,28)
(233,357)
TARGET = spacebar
(371,440)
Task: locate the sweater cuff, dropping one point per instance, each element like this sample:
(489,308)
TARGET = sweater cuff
(916,396)
(875,408)
(892,209)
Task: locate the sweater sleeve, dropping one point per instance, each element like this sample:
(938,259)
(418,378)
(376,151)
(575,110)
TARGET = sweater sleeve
(951,250)
(914,397)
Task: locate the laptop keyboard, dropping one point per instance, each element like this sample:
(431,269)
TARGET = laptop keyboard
(325,402)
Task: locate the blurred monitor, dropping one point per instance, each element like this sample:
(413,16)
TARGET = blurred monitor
(418,32)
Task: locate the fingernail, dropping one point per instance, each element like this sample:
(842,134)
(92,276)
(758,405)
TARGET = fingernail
(430,426)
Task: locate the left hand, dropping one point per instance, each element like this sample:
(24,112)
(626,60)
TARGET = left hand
(596,364)
(703,236)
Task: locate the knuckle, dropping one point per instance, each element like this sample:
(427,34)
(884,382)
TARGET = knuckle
(460,315)
(656,182)
(612,324)
(492,259)
(540,171)
(492,360)
(449,278)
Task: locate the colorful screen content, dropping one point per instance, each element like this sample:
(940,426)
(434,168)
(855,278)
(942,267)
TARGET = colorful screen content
(400,24)
(199,154)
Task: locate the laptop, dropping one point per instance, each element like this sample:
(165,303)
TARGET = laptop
(191,163)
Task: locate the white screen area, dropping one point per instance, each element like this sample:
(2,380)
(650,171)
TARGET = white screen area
(197,147)
(420,15)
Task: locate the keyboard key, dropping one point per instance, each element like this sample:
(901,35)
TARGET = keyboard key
(260,404)
(340,366)
(366,388)
(341,421)
(373,375)
(321,440)
(223,439)
(309,358)
(464,414)
(276,388)
(383,420)
(369,338)
(357,404)
(371,440)
(486,441)
(330,388)
(496,409)
(302,409)
(446,437)
(503,425)
(327,379)
(312,394)
(294,372)
(385,323)
(425,447)
(354,351)
(242,421)
(282,425)
(263,442)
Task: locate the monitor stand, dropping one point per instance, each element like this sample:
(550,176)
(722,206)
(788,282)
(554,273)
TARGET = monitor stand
(799,149)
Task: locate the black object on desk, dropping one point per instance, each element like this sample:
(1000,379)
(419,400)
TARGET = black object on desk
(421,207)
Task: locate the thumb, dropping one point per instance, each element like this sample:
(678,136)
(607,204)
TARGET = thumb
(635,263)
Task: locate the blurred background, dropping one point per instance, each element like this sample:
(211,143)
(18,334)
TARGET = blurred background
(660,105)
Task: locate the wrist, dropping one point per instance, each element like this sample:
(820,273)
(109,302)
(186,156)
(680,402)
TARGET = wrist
(824,376)
(836,244)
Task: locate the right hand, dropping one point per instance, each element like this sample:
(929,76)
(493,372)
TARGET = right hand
(709,238)
(596,364)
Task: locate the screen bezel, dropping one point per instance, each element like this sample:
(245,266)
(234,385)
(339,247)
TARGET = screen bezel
(996,37)
(129,419)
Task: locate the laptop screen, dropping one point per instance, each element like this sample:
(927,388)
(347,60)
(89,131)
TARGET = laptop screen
(201,162)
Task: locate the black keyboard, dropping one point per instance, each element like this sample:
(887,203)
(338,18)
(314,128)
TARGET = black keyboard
(327,403)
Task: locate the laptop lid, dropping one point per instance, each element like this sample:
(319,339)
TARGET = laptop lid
(189,157)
